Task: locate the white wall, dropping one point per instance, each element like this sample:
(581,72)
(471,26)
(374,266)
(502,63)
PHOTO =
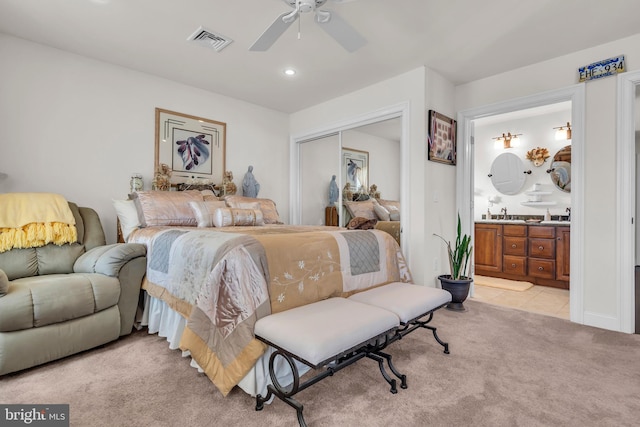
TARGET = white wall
(600,246)
(536,131)
(80,127)
(439,203)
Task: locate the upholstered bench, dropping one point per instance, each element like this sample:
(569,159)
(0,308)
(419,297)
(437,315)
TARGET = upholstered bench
(410,302)
(336,332)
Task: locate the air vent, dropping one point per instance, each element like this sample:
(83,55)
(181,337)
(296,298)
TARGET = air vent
(210,39)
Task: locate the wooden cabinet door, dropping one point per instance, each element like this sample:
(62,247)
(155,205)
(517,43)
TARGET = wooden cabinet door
(563,249)
(487,248)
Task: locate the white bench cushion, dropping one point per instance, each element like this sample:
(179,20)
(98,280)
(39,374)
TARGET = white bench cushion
(319,331)
(408,301)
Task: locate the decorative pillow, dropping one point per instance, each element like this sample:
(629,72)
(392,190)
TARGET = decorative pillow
(226,217)
(4,283)
(267,206)
(393,207)
(205,210)
(381,212)
(362,209)
(167,207)
(128,215)
(360,223)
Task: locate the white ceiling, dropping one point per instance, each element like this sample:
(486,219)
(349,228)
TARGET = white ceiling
(463,40)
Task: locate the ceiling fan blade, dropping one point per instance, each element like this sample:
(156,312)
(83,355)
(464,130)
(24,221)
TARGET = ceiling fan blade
(342,32)
(272,33)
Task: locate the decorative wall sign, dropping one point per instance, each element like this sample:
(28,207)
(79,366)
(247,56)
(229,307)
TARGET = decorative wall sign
(193,147)
(441,138)
(604,68)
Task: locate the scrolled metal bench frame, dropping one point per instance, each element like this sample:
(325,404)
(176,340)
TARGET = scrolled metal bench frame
(371,349)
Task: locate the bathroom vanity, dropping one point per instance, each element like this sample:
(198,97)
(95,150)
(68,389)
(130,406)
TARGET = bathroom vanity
(516,250)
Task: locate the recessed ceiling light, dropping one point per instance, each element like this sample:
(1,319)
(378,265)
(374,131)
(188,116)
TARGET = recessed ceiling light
(289,71)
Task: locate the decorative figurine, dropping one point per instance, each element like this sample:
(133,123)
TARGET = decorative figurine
(334,192)
(347,194)
(250,186)
(373,192)
(162,178)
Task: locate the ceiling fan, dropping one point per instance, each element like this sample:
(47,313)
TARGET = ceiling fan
(330,22)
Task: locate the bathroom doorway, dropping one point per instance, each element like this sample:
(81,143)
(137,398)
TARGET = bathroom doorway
(530,193)
(469,143)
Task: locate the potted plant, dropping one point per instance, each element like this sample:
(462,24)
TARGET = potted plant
(457,283)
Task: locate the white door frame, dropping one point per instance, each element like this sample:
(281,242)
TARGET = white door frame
(626,198)
(464,174)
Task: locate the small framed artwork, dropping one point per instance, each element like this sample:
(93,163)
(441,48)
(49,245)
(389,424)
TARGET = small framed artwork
(355,169)
(192,147)
(441,138)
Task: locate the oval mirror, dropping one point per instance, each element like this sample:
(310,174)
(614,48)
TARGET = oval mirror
(507,174)
(560,170)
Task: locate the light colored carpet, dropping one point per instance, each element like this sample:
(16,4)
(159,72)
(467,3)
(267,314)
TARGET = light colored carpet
(506,368)
(496,282)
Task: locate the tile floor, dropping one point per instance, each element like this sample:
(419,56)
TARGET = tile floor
(537,299)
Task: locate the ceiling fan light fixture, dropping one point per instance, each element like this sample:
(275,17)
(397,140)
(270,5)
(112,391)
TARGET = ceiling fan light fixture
(322,16)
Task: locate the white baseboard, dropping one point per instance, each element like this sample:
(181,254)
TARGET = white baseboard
(602,321)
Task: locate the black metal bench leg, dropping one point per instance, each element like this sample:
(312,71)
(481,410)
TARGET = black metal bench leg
(281,392)
(391,381)
(435,335)
(401,377)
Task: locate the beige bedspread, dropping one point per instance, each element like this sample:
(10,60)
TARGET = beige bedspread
(223,279)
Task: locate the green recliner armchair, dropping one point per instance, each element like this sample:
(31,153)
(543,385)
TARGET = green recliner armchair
(56,301)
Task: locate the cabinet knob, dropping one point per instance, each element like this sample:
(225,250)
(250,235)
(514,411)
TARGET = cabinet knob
(514,246)
(541,268)
(541,248)
(513,266)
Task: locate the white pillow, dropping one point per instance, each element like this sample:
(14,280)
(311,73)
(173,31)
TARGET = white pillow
(128,216)
(226,217)
(205,210)
(381,212)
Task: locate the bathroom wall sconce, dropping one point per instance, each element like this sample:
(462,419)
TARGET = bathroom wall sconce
(508,140)
(563,132)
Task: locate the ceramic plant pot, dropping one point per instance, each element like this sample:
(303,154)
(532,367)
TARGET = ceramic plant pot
(459,290)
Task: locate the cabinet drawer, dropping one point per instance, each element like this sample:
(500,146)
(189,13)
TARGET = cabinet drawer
(514,265)
(514,230)
(514,245)
(542,231)
(542,248)
(543,268)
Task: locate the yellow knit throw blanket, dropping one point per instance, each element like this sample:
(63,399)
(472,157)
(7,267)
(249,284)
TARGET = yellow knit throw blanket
(30,220)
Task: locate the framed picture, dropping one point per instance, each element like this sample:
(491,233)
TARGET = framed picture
(192,147)
(355,169)
(441,138)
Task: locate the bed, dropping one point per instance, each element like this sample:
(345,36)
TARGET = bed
(207,286)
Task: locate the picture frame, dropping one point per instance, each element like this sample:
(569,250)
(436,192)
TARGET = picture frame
(355,169)
(192,147)
(441,138)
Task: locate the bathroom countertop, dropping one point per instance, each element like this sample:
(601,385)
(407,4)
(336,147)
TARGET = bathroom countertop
(522,222)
